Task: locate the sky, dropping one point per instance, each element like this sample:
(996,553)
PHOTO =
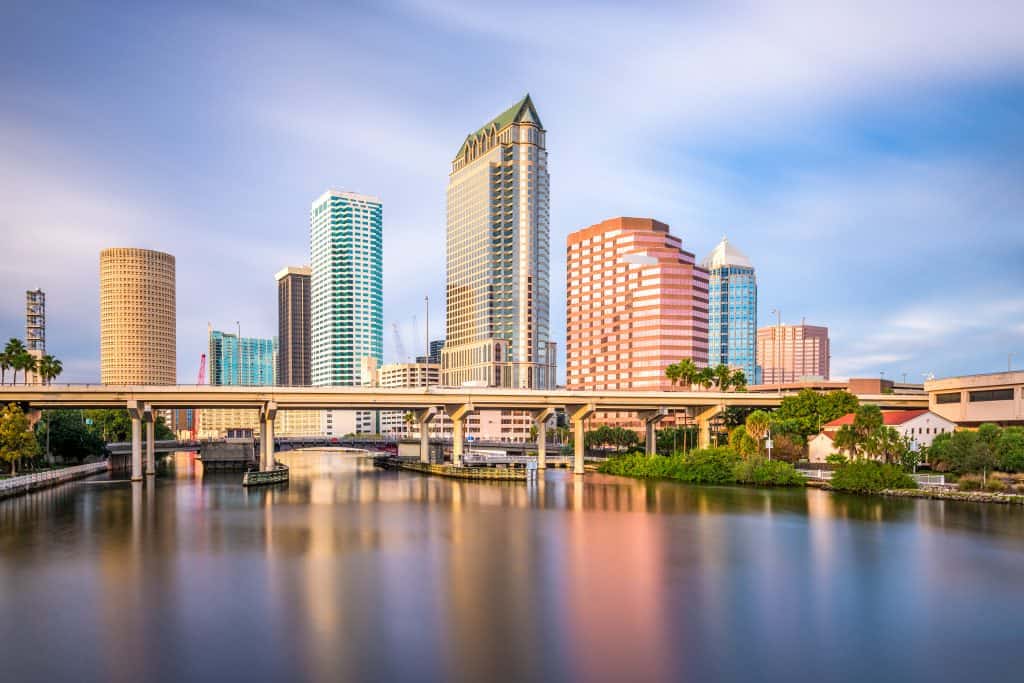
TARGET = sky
(867,156)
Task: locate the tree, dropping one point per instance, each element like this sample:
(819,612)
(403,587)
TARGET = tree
(672,373)
(68,436)
(705,377)
(12,353)
(16,438)
(722,376)
(738,380)
(741,442)
(886,444)
(804,414)
(49,368)
(758,423)
(1010,449)
(25,362)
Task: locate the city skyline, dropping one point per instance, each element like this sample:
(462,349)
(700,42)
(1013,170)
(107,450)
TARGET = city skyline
(891,189)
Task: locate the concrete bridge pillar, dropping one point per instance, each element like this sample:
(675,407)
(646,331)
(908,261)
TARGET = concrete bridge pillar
(267,414)
(423,419)
(704,425)
(135,414)
(540,419)
(577,415)
(458,413)
(149,419)
(650,418)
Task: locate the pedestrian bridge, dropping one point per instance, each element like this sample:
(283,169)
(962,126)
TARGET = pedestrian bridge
(424,402)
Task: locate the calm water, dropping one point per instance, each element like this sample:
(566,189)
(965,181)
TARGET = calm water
(351,573)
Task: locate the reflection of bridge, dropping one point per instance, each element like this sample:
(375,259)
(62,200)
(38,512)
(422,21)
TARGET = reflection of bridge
(424,402)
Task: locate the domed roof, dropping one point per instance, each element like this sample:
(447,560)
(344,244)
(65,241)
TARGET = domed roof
(725,254)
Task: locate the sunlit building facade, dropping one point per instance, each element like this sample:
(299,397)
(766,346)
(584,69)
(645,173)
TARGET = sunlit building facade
(249,361)
(732,310)
(793,353)
(498,257)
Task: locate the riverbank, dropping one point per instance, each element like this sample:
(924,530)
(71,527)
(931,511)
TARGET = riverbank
(963,496)
(26,483)
(445,470)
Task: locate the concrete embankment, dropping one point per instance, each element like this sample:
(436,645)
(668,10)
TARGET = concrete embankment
(963,496)
(27,483)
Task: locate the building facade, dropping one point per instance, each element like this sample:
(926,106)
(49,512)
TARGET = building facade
(137,317)
(249,361)
(636,302)
(971,400)
(293,326)
(732,310)
(919,426)
(35,329)
(403,375)
(498,256)
(346,304)
(793,353)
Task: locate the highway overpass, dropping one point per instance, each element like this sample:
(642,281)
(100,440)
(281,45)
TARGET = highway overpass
(424,402)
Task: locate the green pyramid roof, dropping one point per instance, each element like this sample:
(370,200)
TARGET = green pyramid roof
(510,115)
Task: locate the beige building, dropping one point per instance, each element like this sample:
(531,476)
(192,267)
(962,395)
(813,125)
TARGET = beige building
(402,375)
(792,353)
(498,257)
(970,400)
(137,317)
(920,426)
(217,423)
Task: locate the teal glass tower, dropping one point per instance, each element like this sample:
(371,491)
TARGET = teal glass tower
(249,361)
(346,293)
(732,310)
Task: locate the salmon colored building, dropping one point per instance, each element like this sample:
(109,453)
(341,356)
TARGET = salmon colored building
(636,303)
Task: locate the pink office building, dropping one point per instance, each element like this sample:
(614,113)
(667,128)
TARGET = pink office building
(791,353)
(636,303)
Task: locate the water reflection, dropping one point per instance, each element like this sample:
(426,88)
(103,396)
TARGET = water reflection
(350,572)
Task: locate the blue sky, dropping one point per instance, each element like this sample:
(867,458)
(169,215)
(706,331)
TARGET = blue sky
(869,157)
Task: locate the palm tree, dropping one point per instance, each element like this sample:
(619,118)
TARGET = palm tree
(757,426)
(10,354)
(25,362)
(688,372)
(48,368)
(722,376)
(705,377)
(672,373)
(738,380)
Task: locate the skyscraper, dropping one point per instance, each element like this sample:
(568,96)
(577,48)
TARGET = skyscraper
(346,286)
(293,326)
(790,353)
(498,255)
(137,317)
(732,310)
(636,302)
(35,329)
(246,361)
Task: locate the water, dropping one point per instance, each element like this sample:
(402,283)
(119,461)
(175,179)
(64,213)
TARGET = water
(352,573)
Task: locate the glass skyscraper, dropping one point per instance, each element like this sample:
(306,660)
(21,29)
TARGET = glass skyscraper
(346,307)
(250,361)
(732,310)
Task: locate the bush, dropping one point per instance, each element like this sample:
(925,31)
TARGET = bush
(996,485)
(868,476)
(767,473)
(710,466)
(836,459)
(969,482)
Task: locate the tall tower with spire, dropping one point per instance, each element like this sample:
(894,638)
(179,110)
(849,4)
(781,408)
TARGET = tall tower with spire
(732,310)
(498,256)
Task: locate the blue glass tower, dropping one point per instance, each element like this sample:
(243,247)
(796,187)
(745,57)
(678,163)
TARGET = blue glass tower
(247,362)
(732,310)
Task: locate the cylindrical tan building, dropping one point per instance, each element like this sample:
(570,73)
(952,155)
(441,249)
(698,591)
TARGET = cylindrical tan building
(137,317)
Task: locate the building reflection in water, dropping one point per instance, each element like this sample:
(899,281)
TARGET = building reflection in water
(350,572)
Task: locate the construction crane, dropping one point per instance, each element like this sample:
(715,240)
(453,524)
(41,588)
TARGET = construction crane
(200,380)
(399,346)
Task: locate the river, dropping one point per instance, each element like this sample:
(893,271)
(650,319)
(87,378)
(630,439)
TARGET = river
(352,573)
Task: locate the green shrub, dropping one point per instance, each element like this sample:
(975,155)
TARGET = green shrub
(836,459)
(703,466)
(969,482)
(868,476)
(763,472)
(710,465)
(996,485)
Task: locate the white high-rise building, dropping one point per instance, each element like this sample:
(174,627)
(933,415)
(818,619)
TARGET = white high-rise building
(346,294)
(498,257)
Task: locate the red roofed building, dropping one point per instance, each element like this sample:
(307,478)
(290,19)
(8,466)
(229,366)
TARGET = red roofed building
(920,425)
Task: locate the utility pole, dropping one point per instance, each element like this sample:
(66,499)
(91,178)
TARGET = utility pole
(426,304)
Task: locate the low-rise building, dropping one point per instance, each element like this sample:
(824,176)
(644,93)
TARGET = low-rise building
(921,426)
(971,400)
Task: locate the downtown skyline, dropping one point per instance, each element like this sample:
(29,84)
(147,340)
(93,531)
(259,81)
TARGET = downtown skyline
(891,189)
